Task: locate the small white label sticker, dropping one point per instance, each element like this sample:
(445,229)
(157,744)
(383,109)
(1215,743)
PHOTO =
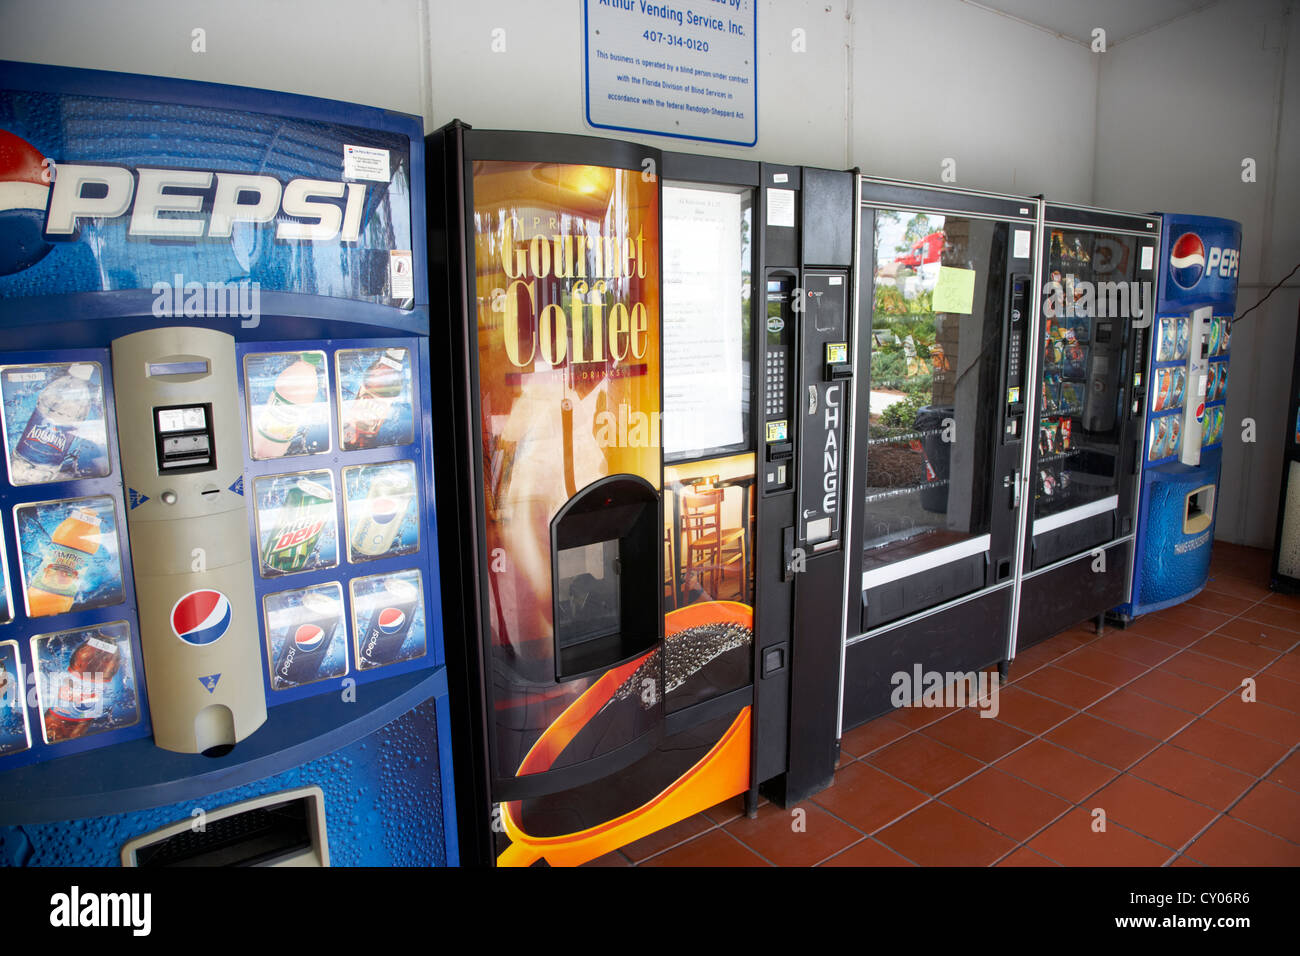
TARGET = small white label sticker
(401,275)
(1021,249)
(365,162)
(780,177)
(780,207)
(1148,254)
(837,280)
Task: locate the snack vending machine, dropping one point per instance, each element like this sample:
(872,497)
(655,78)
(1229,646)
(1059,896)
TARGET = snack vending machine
(220,627)
(625,599)
(947,321)
(1186,385)
(1097,298)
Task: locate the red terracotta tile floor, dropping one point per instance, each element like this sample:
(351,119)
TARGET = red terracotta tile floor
(1136,748)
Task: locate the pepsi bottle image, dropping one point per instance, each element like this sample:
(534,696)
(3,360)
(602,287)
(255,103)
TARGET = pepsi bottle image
(308,642)
(382,640)
(79,692)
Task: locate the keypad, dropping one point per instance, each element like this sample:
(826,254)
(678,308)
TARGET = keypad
(775,382)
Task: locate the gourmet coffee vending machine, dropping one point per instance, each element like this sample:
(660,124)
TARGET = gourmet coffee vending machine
(633,393)
(220,626)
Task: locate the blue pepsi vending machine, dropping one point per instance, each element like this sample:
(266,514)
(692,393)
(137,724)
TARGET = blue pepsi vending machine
(1186,385)
(220,626)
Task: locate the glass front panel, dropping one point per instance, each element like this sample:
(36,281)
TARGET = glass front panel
(587,581)
(1087,308)
(706,268)
(936,340)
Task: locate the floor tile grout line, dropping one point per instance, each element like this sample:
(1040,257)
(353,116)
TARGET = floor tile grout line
(1126,770)
(1194,717)
(1254,786)
(673,846)
(866,838)
(1203,715)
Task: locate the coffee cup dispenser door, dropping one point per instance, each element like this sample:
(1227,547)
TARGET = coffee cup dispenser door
(605,575)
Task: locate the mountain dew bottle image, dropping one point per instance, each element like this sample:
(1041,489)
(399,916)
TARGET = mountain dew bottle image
(288,409)
(307,507)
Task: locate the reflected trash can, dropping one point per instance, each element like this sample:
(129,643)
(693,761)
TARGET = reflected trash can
(938,456)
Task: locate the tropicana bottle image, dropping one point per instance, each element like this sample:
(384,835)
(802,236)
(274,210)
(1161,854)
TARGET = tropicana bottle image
(279,420)
(55,586)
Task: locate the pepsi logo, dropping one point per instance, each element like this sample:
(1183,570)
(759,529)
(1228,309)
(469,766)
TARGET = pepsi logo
(24,194)
(309,637)
(383,510)
(201,617)
(1187,260)
(391,620)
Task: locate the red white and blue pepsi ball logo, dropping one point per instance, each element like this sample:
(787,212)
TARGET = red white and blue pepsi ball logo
(201,617)
(1187,260)
(309,637)
(24,194)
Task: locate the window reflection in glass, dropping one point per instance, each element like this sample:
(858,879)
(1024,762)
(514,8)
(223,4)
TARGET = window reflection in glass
(933,381)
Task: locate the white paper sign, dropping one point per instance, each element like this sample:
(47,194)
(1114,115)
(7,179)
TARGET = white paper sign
(780,207)
(401,275)
(365,162)
(1021,248)
(1148,253)
(702,279)
(672,69)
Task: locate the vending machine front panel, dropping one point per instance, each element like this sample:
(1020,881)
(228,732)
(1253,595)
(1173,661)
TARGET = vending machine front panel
(255,539)
(1186,386)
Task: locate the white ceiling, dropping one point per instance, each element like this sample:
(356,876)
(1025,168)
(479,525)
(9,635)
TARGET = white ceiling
(1076,19)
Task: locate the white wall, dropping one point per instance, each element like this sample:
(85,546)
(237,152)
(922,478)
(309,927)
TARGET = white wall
(366,53)
(1179,109)
(1013,105)
(1161,121)
(537,82)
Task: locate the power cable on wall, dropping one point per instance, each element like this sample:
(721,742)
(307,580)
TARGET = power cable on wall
(1275,287)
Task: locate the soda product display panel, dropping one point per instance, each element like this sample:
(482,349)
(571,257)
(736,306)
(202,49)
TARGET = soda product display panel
(262,298)
(1186,386)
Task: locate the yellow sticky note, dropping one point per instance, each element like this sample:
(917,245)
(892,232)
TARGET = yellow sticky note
(954,291)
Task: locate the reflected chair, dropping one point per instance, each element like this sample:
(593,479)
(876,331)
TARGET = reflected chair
(710,548)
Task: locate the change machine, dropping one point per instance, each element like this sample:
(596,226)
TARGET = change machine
(220,627)
(631,396)
(1187,389)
